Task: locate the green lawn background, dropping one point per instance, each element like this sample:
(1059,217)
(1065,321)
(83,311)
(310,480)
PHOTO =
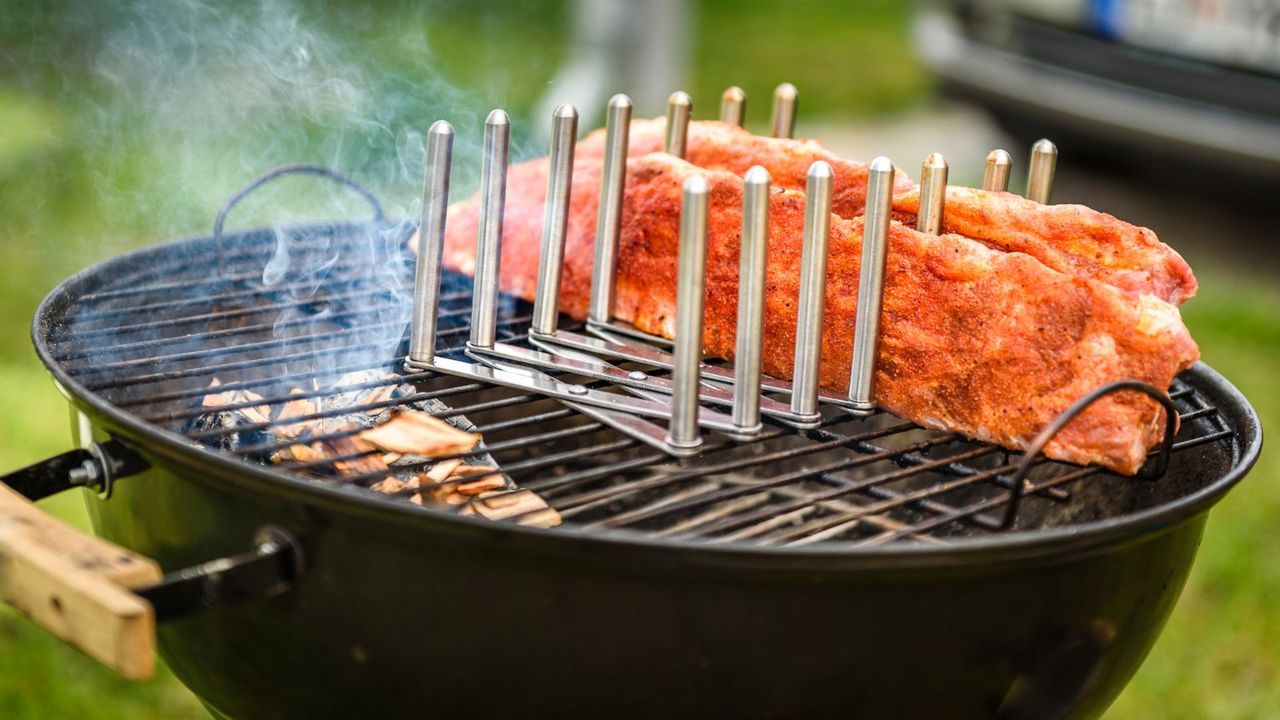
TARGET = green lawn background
(108,141)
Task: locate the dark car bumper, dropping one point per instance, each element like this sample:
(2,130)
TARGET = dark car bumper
(1092,87)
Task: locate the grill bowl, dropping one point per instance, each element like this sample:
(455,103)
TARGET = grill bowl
(1051,619)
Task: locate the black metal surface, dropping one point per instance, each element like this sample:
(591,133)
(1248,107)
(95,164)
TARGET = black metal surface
(572,625)
(49,477)
(271,567)
(405,611)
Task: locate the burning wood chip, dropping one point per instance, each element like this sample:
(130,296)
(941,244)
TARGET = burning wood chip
(442,470)
(377,395)
(413,432)
(361,460)
(525,505)
(390,486)
(406,436)
(429,483)
(296,408)
(388,390)
(306,453)
(472,480)
(219,401)
(469,481)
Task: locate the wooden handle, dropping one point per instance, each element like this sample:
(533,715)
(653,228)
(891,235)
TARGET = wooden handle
(75,586)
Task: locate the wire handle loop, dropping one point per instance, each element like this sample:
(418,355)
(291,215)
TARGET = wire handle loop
(295,169)
(1079,406)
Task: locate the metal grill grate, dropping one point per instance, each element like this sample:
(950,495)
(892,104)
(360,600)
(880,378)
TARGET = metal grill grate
(152,333)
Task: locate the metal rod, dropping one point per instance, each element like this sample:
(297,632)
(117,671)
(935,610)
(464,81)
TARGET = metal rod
(617,136)
(782,123)
(679,110)
(1044,158)
(435,209)
(995,176)
(733,106)
(751,277)
(690,287)
(555,220)
(875,245)
(493,194)
(933,194)
(813,287)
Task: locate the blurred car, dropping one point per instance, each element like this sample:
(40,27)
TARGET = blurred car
(1199,79)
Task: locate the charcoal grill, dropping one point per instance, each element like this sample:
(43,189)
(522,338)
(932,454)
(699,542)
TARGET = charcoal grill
(859,482)
(865,564)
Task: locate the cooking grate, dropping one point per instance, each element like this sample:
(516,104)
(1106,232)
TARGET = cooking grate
(151,331)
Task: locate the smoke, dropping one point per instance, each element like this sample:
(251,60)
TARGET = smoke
(184,102)
(211,94)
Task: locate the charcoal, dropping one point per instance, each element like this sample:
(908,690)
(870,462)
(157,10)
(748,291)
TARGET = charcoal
(222,420)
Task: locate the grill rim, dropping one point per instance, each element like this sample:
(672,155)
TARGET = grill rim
(211,465)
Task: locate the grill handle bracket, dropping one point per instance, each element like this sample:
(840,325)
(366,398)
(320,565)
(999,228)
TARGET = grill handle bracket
(95,467)
(1149,471)
(269,568)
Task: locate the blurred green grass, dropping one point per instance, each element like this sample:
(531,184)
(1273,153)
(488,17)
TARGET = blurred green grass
(83,177)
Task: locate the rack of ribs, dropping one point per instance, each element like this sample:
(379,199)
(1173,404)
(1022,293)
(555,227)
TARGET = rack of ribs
(977,338)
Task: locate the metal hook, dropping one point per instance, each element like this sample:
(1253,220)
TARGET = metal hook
(297,169)
(1038,444)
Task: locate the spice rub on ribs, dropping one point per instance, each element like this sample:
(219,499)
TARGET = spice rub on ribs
(988,344)
(1073,239)
(720,146)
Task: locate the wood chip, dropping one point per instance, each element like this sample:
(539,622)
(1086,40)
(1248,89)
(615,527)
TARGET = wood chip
(442,470)
(306,453)
(359,465)
(503,505)
(488,483)
(219,400)
(390,486)
(442,496)
(429,483)
(376,395)
(474,472)
(412,432)
(547,518)
(296,408)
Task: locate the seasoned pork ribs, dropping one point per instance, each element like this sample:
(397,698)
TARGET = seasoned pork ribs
(1070,238)
(993,345)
